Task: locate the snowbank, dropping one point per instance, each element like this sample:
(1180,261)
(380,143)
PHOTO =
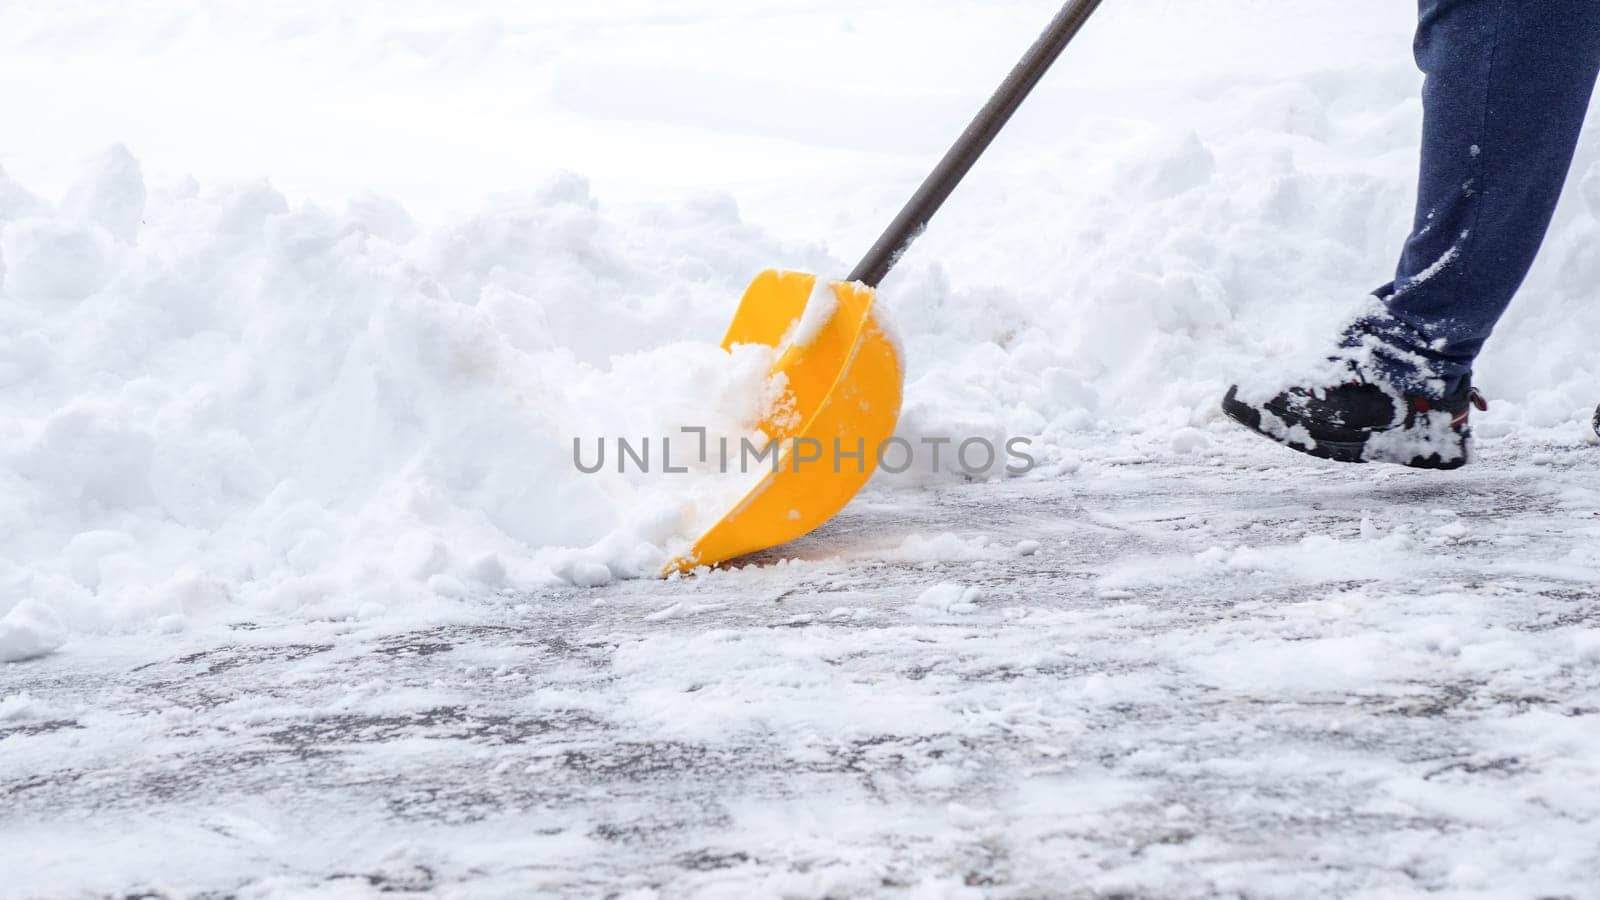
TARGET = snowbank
(218,403)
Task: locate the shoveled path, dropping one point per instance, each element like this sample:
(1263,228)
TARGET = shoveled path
(1147,676)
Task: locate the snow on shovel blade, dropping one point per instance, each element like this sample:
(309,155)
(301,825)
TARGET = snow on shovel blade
(845,379)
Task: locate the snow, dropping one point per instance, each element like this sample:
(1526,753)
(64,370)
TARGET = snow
(243,404)
(1411,715)
(948,598)
(1439,265)
(29,630)
(301,311)
(821,307)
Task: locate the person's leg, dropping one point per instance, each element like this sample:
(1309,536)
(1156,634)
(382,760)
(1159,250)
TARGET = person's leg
(1508,84)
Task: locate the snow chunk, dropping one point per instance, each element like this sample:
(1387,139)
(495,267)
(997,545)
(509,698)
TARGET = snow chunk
(947,547)
(15,707)
(1587,646)
(17,202)
(172,624)
(30,630)
(948,598)
(52,261)
(1190,442)
(447,586)
(821,307)
(584,574)
(91,553)
(110,194)
(1169,168)
(382,217)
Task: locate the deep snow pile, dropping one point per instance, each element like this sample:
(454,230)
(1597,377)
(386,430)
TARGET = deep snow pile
(219,400)
(214,400)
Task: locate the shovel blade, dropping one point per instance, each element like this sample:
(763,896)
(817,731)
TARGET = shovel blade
(844,390)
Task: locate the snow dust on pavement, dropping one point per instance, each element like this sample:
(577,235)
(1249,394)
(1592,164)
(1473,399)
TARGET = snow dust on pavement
(1160,677)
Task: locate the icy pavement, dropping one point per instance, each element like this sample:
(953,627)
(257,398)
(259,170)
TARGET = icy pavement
(1145,677)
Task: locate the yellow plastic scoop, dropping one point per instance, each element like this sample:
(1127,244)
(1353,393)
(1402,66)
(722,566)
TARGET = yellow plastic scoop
(845,378)
(843,400)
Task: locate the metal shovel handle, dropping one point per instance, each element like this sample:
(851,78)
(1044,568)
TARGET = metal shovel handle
(973,142)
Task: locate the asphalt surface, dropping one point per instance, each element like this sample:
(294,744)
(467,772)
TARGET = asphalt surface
(1145,677)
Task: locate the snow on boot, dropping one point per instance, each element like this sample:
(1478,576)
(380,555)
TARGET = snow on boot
(1361,421)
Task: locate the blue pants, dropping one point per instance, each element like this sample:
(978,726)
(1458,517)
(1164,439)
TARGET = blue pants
(1508,85)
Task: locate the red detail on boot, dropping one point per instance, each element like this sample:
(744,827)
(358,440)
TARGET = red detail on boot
(1475,399)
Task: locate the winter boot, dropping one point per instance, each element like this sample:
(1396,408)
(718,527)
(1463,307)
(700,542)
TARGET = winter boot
(1363,421)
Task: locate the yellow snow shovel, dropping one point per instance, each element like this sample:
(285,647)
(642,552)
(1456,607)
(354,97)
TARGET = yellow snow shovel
(844,381)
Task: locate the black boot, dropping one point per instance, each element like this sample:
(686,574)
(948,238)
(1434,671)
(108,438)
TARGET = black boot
(1360,421)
